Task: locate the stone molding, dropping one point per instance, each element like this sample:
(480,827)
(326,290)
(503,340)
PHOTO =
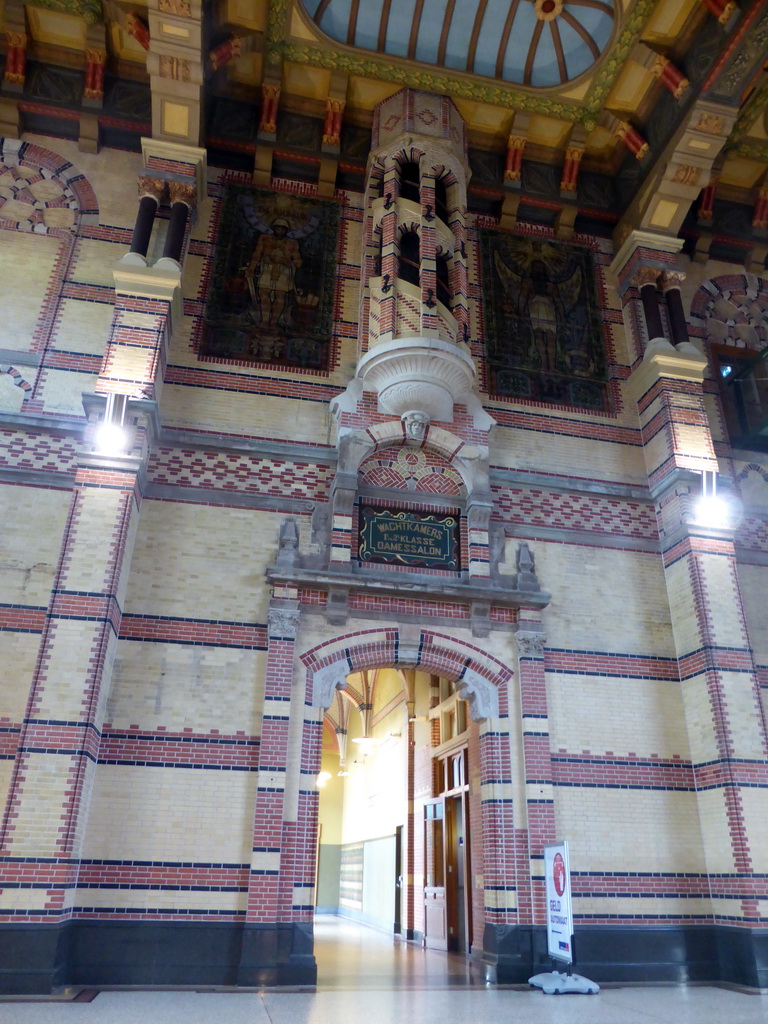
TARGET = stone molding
(418,374)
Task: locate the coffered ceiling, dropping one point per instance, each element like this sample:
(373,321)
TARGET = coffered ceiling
(614,105)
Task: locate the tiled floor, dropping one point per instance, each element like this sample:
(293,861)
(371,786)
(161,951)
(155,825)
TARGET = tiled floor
(366,978)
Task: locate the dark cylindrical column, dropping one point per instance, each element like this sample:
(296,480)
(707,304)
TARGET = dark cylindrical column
(142,230)
(670,285)
(177,226)
(649,295)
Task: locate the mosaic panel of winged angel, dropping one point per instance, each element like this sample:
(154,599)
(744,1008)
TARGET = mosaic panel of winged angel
(543,330)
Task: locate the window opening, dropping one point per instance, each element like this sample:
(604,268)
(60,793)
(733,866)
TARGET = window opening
(441,200)
(743,377)
(443,280)
(409,182)
(410,258)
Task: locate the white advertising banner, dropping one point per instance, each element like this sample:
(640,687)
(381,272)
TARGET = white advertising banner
(559,910)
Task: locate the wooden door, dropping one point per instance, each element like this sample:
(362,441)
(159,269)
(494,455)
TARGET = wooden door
(435,908)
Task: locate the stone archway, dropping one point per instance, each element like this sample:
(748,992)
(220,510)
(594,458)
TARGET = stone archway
(480,679)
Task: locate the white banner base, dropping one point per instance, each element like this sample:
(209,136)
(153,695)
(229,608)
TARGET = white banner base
(555,983)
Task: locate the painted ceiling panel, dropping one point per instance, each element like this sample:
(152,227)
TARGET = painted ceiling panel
(337,19)
(545,68)
(459,35)
(579,57)
(539,43)
(428,46)
(368,21)
(399,27)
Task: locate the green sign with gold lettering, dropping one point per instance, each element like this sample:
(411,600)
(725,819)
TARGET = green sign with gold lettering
(409,538)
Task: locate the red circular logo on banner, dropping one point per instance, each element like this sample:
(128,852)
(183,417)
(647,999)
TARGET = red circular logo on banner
(558,874)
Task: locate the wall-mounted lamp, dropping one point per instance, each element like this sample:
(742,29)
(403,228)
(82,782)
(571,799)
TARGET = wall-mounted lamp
(366,744)
(322,778)
(111,437)
(710,509)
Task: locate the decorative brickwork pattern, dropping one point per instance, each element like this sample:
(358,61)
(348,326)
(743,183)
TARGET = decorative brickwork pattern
(41,192)
(410,469)
(614,517)
(241,473)
(43,453)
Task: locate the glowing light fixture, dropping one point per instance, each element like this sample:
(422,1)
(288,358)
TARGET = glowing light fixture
(367,744)
(322,778)
(111,437)
(711,509)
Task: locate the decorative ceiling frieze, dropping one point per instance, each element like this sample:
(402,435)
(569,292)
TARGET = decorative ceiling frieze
(536,43)
(89,10)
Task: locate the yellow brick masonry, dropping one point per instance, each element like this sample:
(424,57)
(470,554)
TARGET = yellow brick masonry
(189,562)
(26,265)
(83,327)
(147,813)
(176,687)
(33,521)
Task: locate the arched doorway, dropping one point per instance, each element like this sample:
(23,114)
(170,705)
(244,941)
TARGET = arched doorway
(394,835)
(449,769)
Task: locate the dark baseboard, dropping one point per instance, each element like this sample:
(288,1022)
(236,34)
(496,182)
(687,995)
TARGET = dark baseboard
(32,959)
(36,959)
(608,953)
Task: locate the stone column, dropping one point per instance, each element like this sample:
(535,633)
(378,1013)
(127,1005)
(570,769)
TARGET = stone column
(647,281)
(182,197)
(95,59)
(671,283)
(15,72)
(151,191)
(570,174)
(638,265)
(760,215)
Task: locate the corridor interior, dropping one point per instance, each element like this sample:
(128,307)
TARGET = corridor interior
(352,957)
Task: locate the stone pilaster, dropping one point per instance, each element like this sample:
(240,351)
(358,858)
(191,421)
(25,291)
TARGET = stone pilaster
(539,792)
(725,723)
(46,814)
(278,929)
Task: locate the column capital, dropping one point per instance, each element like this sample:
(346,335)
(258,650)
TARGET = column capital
(177,162)
(283,623)
(645,276)
(531,643)
(670,279)
(182,192)
(152,187)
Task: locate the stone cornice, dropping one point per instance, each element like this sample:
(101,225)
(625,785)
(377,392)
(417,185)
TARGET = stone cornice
(660,365)
(384,583)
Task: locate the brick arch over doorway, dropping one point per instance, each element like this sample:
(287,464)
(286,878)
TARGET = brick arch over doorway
(484,682)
